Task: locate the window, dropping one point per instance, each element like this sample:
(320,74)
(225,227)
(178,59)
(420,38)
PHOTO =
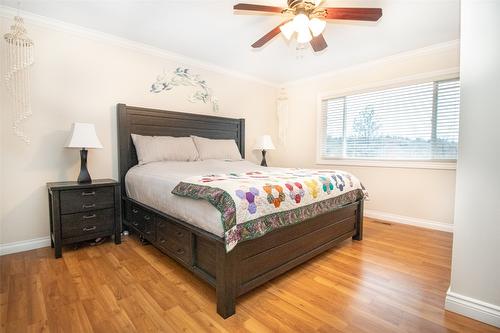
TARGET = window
(412,123)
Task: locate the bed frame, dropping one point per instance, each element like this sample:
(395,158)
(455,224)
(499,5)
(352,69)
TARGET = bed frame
(250,263)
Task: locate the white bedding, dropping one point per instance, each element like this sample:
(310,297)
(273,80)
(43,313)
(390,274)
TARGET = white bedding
(152,184)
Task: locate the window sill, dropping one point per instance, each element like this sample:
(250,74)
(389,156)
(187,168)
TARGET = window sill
(391,164)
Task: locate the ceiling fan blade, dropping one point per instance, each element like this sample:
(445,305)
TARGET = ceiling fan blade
(270,35)
(258,8)
(318,43)
(358,14)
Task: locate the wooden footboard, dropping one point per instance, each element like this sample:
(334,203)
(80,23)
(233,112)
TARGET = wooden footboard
(268,257)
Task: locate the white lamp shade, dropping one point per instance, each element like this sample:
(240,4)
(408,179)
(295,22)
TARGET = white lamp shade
(83,135)
(264,143)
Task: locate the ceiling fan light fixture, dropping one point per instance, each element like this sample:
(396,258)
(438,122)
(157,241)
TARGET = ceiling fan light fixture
(287,29)
(304,36)
(317,26)
(307,18)
(301,22)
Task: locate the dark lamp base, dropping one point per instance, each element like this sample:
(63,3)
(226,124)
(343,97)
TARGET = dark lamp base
(84,176)
(264,162)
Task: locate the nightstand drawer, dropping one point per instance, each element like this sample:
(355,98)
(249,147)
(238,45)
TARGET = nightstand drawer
(81,200)
(80,224)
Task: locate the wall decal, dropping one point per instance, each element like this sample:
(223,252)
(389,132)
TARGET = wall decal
(18,59)
(184,77)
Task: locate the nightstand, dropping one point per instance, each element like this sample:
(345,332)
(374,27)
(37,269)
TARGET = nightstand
(80,212)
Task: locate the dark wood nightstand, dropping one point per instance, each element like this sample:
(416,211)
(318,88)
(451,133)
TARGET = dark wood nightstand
(80,212)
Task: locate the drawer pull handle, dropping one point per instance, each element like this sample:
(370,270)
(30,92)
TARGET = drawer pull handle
(147,217)
(163,241)
(180,251)
(135,223)
(88,206)
(89,229)
(86,194)
(87,217)
(179,234)
(135,211)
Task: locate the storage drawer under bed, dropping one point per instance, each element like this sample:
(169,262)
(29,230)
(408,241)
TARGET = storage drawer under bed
(174,240)
(142,221)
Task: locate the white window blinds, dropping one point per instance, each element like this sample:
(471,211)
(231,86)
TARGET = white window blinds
(417,122)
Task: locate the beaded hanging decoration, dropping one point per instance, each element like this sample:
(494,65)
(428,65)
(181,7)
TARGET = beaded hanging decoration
(18,59)
(283,115)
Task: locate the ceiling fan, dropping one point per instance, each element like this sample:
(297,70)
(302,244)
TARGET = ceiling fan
(307,19)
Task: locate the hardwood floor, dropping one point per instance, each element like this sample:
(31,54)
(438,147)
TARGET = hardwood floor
(394,280)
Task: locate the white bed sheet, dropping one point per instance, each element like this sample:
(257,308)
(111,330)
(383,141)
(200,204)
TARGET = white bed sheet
(152,184)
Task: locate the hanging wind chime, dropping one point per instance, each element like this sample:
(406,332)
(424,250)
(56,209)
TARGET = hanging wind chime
(18,60)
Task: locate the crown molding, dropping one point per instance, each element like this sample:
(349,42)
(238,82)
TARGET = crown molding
(435,48)
(47,22)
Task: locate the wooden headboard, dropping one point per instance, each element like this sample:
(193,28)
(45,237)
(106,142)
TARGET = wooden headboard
(143,121)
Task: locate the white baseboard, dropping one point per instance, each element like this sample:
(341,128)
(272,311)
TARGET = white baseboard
(26,245)
(473,308)
(423,223)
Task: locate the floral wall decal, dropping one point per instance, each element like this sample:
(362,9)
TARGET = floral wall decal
(184,77)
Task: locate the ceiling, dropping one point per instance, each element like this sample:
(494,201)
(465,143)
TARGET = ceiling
(210,31)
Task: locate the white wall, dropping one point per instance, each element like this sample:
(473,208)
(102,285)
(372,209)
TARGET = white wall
(80,77)
(475,276)
(421,195)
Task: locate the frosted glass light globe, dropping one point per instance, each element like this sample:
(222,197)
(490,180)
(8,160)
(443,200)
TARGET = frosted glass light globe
(301,22)
(304,36)
(287,29)
(317,26)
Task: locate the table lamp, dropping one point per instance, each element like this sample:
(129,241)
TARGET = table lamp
(264,143)
(83,136)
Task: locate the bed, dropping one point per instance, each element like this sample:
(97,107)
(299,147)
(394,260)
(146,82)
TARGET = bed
(187,237)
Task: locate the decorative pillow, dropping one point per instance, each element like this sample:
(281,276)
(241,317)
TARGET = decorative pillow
(164,148)
(217,149)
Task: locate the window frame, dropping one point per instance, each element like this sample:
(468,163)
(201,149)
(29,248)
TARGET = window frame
(443,75)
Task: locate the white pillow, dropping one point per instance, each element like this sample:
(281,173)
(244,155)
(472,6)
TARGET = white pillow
(217,149)
(164,148)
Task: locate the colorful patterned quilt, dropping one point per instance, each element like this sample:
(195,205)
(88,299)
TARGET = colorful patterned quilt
(255,203)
